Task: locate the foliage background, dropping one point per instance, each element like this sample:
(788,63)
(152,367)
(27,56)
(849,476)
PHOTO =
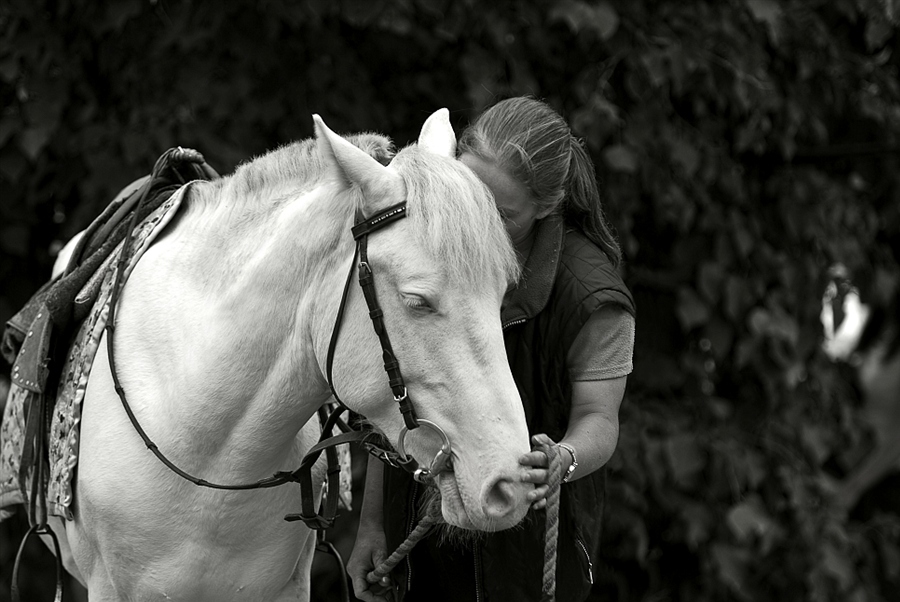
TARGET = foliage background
(745,145)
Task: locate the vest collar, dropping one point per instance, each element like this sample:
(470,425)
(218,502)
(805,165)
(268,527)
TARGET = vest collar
(530,294)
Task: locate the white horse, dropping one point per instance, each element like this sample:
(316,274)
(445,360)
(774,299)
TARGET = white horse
(221,342)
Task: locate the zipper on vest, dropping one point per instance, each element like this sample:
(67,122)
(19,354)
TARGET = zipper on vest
(409,529)
(513,323)
(588,558)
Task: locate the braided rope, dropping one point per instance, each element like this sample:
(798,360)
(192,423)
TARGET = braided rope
(551,536)
(551,533)
(432,517)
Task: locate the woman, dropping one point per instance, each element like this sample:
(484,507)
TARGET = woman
(569,333)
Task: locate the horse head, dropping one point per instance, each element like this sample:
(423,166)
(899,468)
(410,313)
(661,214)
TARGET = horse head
(440,276)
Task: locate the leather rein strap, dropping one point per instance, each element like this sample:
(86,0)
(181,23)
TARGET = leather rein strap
(327,443)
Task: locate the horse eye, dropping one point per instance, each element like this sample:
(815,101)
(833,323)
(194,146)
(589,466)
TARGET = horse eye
(416,302)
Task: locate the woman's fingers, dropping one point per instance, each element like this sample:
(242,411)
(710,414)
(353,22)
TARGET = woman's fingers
(538,496)
(535,458)
(538,476)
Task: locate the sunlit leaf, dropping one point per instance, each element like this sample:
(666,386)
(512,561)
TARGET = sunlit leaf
(749,519)
(839,566)
(33,140)
(732,563)
(599,17)
(686,458)
(692,311)
(620,158)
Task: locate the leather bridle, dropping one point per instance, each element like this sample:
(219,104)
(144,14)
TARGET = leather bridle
(303,475)
(442,461)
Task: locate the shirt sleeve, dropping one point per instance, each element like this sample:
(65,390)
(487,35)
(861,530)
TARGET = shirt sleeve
(604,347)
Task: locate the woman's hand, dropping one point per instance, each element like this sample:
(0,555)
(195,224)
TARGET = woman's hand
(538,473)
(370,548)
(369,552)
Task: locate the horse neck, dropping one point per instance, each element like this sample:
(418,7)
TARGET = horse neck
(261,274)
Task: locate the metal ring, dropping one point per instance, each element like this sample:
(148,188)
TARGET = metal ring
(441,459)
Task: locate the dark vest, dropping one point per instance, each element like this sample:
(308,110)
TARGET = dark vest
(541,319)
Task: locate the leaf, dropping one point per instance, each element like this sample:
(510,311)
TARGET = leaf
(839,566)
(686,458)
(890,558)
(620,158)
(720,336)
(749,519)
(482,71)
(737,297)
(754,468)
(776,324)
(684,154)
(14,240)
(877,33)
(816,441)
(601,18)
(33,140)
(691,310)
(120,12)
(764,10)
(9,68)
(698,522)
(12,163)
(710,279)
(731,563)
(769,13)
(8,128)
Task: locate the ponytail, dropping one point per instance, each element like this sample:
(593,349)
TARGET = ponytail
(534,144)
(583,207)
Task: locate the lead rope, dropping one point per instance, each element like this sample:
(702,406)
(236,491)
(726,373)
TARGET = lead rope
(429,521)
(551,533)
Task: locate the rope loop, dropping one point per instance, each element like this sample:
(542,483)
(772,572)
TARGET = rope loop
(433,517)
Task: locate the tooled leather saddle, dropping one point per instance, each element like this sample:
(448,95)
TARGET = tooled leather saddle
(36,339)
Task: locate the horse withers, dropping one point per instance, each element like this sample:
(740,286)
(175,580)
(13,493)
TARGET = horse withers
(222,342)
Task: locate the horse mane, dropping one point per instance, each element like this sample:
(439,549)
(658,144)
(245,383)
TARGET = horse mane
(468,237)
(297,164)
(463,230)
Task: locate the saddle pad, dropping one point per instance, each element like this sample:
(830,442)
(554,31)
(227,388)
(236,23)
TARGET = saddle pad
(63,440)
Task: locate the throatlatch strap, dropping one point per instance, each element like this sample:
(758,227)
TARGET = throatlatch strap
(338,320)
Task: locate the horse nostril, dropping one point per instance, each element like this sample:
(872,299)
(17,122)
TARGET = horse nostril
(500,499)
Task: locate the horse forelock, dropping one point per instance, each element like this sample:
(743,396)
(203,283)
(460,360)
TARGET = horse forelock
(454,218)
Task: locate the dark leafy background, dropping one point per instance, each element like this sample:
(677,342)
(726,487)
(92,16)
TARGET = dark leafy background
(744,146)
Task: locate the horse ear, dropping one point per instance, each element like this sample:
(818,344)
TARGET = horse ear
(437,134)
(355,167)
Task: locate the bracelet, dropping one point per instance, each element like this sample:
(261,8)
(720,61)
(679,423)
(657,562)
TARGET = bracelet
(574,463)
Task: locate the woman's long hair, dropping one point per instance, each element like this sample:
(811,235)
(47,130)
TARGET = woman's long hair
(534,144)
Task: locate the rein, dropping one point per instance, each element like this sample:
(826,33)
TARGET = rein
(303,474)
